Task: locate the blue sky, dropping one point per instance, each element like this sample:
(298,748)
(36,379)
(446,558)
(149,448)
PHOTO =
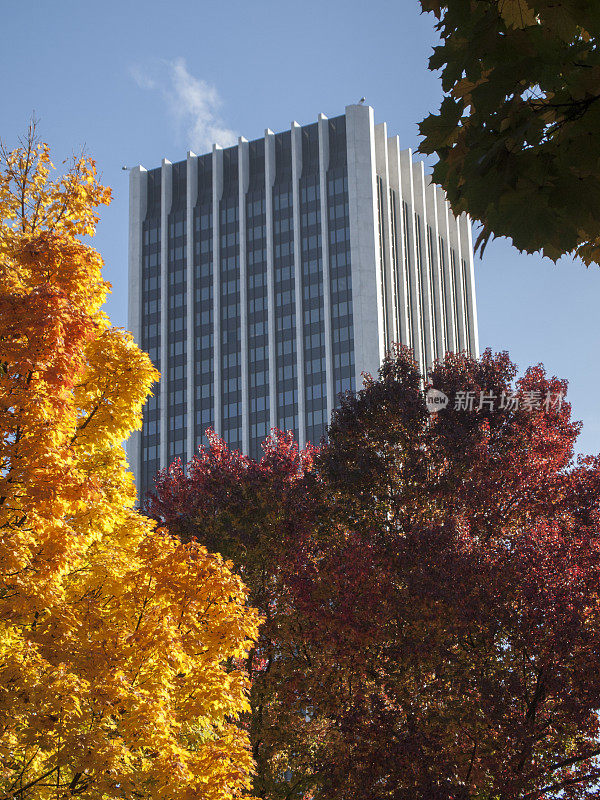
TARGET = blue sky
(134,82)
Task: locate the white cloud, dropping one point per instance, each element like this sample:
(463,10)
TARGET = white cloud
(192,102)
(143,80)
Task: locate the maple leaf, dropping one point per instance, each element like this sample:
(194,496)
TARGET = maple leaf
(516,13)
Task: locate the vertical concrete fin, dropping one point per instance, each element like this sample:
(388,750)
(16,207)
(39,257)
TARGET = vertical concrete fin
(269,180)
(402,307)
(243,180)
(369,344)
(166,193)
(408,194)
(296,144)
(455,266)
(323,129)
(451,333)
(424,266)
(191,198)
(466,239)
(138,195)
(388,292)
(436,269)
(217,189)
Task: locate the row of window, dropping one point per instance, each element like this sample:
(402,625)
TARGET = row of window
(177,301)
(343,333)
(205,366)
(232,410)
(260,403)
(178,253)
(286,272)
(204,246)
(258,431)
(204,222)
(204,416)
(259,378)
(150,453)
(316,418)
(256,232)
(314,366)
(289,398)
(231,360)
(285,298)
(339,235)
(230,310)
(256,256)
(177,397)
(230,239)
(177,421)
(151,235)
(230,213)
(286,322)
(312,242)
(177,227)
(344,359)
(204,390)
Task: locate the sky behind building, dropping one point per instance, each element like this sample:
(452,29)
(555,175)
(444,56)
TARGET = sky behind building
(133,82)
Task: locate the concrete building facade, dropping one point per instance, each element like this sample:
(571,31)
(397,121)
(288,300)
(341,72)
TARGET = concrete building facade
(264,278)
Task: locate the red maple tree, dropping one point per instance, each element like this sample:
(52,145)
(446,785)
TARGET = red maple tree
(260,515)
(432,582)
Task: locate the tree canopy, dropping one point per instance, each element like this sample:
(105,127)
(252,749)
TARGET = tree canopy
(116,640)
(465,595)
(430,583)
(516,134)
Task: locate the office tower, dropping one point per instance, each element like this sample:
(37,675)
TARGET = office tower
(264,278)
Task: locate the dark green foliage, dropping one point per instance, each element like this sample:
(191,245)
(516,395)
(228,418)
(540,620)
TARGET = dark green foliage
(517,135)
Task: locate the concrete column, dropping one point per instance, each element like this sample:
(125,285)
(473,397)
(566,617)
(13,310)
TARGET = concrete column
(436,268)
(296,142)
(402,309)
(426,298)
(444,229)
(460,285)
(323,128)
(191,198)
(369,344)
(387,268)
(406,173)
(455,267)
(138,195)
(466,240)
(217,187)
(269,180)
(243,178)
(166,187)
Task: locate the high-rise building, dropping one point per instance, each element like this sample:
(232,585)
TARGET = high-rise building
(264,278)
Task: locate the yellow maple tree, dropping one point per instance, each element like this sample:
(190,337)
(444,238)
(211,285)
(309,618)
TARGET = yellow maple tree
(116,640)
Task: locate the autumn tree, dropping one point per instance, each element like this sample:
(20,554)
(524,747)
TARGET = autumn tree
(430,583)
(516,132)
(116,640)
(462,607)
